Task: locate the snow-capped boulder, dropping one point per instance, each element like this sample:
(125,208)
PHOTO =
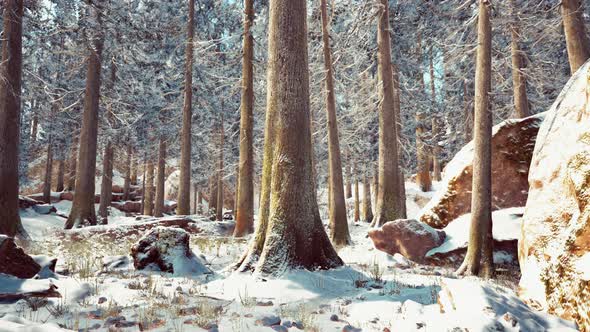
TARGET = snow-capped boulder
(512,148)
(167,249)
(554,247)
(411,238)
(25,202)
(14,261)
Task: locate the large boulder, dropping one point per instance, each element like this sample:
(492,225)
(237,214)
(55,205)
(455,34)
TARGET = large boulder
(167,249)
(411,238)
(14,261)
(512,148)
(554,248)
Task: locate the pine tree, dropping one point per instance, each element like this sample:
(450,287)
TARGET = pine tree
(160,179)
(576,37)
(521,101)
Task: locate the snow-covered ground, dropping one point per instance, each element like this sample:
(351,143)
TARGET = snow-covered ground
(101,290)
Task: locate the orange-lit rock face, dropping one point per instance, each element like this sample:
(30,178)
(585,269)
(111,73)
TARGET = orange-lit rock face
(513,142)
(554,249)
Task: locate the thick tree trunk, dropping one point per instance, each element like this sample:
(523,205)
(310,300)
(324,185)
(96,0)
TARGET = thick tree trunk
(10,93)
(83,212)
(61,169)
(348,177)
(219,210)
(148,205)
(143,187)
(245,189)
(134,167)
(576,37)
(195,198)
(48,172)
(199,201)
(479,260)
(423,175)
(127,183)
(184,190)
(389,206)
(160,180)
(367,206)
(338,220)
(72,165)
(293,236)
(213,193)
(521,101)
(106,188)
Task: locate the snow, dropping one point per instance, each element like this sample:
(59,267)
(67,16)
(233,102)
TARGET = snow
(12,285)
(583,266)
(373,291)
(506,227)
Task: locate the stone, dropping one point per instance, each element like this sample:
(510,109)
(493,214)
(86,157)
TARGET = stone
(268,320)
(334,318)
(350,328)
(102,300)
(280,328)
(512,148)
(167,249)
(554,248)
(25,202)
(14,261)
(408,237)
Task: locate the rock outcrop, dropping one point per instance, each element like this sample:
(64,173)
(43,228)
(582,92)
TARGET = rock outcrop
(554,248)
(14,261)
(512,148)
(411,238)
(167,249)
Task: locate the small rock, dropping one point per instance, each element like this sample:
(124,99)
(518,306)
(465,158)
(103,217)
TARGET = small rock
(287,323)
(350,328)
(420,325)
(179,289)
(496,326)
(248,315)
(268,320)
(386,329)
(113,321)
(510,319)
(280,328)
(334,318)
(95,314)
(264,303)
(102,300)
(298,325)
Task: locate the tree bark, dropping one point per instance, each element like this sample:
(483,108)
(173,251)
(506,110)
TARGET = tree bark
(348,177)
(160,179)
(293,236)
(398,122)
(106,188)
(436,171)
(134,167)
(367,206)
(219,210)
(10,100)
(479,260)
(83,212)
(468,113)
(245,189)
(34,128)
(184,190)
(423,175)
(213,194)
(48,171)
(148,205)
(61,169)
(127,183)
(357,204)
(521,101)
(339,233)
(576,37)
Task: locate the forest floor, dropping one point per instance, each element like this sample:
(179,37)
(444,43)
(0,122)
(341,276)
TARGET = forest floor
(374,292)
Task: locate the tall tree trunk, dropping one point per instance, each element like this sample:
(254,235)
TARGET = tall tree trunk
(199,201)
(213,193)
(219,210)
(423,175)
(367,206)
(479,260)
(195,198)
(338,220)
(48,171)
(143,187)
(61,169)
(72,165)
(106,188)
(468,113)
(576,37)
(148,207)
(521,101)
(348,176)
(245,189)
(293,236)
(134,167)
(160,180)
(184,190)
(376,184)
(398,122)
(127,183)
(389,206)
(10,93)
(83,206)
